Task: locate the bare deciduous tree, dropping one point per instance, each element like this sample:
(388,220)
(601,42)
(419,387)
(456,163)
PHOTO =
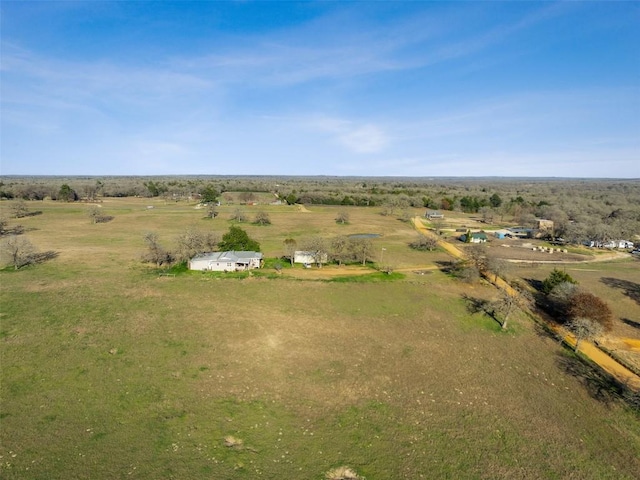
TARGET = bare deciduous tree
(498,267)
(212,210)
(361,248)
(247,197)
(317,247)
(487,214)
(342,217)
(477,255)
(19,209)
(238,215)
(584,329)
(156,253)
(505,305)
(290,249)
(96,216)
(192,242)
(437,224)
(424,242)
(339,249)
(19,250)
(262,218)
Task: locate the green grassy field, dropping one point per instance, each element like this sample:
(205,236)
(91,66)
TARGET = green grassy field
(111,371)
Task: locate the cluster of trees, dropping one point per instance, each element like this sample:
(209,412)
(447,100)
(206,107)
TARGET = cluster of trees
(340,249)
(584,314)
(193,242)
(476,263)
(260,218)
(424,243)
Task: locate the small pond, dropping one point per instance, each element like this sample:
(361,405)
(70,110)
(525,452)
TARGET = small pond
(365,235)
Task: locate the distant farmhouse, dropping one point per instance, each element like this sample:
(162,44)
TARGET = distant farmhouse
(226,261)
(476,237)
(609,244)
(433,214)
(544,225)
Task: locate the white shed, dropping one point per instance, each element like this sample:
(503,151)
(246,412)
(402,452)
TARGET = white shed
(308,258)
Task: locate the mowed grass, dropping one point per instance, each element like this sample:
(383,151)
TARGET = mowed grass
(110,371)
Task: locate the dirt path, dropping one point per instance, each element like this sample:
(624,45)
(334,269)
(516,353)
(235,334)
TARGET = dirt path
(452,249)
(604,361)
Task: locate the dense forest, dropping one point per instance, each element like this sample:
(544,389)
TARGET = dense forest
(581,209)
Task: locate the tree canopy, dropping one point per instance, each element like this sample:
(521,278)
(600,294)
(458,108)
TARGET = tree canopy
(236,239)
(209,194)
(556,277)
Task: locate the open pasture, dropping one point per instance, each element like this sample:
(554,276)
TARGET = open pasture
(110,371)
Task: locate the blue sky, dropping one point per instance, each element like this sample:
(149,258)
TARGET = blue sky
(535,89)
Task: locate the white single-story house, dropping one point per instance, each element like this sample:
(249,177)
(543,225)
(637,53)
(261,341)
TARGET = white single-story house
(433,214)
(309,258)
(226,261)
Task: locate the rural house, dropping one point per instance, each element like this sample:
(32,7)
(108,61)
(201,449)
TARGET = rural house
(226,261)
(433,214)
(477,237)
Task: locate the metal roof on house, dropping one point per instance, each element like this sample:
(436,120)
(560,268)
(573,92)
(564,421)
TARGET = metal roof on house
(228,256)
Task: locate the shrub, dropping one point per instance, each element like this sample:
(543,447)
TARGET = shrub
(555,278)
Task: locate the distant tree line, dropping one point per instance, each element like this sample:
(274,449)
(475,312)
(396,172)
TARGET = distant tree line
(598,210)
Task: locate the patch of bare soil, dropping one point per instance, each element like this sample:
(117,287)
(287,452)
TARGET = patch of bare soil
(324,273)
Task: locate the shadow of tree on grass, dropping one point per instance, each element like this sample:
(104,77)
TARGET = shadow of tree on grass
(41,257)
(600,385)
(631,323)
(535,284)
(630,289)
(480,305)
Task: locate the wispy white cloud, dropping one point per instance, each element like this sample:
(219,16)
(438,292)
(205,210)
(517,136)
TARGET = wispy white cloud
(365,139)
(356,137)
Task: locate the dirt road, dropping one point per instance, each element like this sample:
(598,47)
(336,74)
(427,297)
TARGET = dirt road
(608,364)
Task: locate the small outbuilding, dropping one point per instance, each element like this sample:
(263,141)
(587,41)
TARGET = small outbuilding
(309,258)
(226,261)
(521,232)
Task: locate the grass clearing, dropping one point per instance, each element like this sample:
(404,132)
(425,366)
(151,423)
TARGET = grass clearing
(110,370)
